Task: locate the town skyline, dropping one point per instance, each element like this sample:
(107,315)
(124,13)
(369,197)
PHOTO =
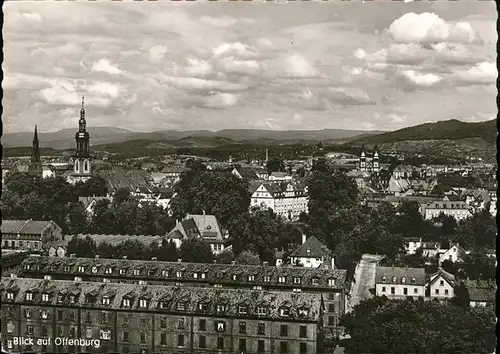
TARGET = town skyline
(186,67)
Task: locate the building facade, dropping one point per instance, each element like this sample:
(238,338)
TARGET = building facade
(312,253)
(102,318)
(329,283)
(442,285)
(32,235)
(400,283)
(369,163)
(287,200)
(457,209)
(81,160)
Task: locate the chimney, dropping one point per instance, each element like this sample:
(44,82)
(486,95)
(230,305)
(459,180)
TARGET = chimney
(124,257)
(97,256)
(333,263)
(304,238)
(154,258)
(265,264)
(72,255)
(233,263)
(176,222)
(179,260)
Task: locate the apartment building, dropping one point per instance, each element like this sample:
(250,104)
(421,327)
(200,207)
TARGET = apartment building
(399,283)
(287,200)
(457,209)
(125,318)
(329,283)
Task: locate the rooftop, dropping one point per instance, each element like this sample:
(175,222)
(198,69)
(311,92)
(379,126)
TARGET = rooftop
(400,275)
(24,226)
(313,248)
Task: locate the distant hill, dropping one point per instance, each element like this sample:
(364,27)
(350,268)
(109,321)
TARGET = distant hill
(444,130)
(64,139)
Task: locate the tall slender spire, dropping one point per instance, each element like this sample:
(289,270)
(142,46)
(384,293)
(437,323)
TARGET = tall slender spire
(35,136)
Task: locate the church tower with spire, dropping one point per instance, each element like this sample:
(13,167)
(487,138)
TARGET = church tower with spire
(36,161)
(81,162)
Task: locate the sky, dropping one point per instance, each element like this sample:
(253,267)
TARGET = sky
(149,66)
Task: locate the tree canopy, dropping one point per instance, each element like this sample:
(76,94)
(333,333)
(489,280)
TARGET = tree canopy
(379,325)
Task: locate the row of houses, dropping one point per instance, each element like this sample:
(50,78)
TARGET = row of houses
(400,283)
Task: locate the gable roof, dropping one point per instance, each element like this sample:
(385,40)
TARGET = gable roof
(25,226)
(399,272)
(312,248)
(441,273)
(204,226)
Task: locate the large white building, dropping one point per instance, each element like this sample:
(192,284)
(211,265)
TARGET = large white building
(454,208)
(399,283)
(287,200)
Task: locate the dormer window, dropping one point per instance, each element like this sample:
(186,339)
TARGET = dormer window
(394,279)
(221,308)
(137,272)
(235,277)
(331,282)
(66,268)
(60,298)
(203,275)
(284,312)
(163,305)
(143,303)
(109,270)
(27,266)
(29,296)
(105,300)
(251,278)
(45,297)
(413,280)
(122,271)
(195,275)
(261,310)
(243,309)
(164,273)
(384,279)
(94,269)
(281,279)
(303,312)
(297,280)
(44,314)
(181,306)
(178,274)
(315,281)
(81,269)
(126,302)
(72,299)
(267,279)
(403,280)
(10,295)
(203,307)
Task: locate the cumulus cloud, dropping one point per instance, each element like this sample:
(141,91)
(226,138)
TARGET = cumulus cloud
(482,74)
(422,80)
(430,28)
(104,65)
(222,100)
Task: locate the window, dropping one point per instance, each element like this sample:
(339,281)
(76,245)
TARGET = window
(303,348)
(384,279)
(180,323)
(203,275)
(104,317)
(27,313)
(221,308)
(163,322)
(220,326)
(202,324)
(126,336)
(303,331)
(296,280)
(202,341)
(331,308)
(126,302)
(29,296)
(242,345)
(195,275)
(60,331)
(261,328)
(45,297)
(446,291)
(122,271)
(178,274)
(315,281)
(81,269)
(405,291)
(137,272)
(88,333)
(143,303)
(105,300)
(60,298)
(261,347)
(413,280)
(29,329)
(163,339)
(284,331)
(10,327)
(10,296)
(125,321)
(203,307)
(143,321)
(403,280)
(383,289)
(243,309)
(44,331)
(441,283)
(243,327)
(60,315)
(284,312)
(251,278)
(267,279)
(44,314)
(393,290)
(72,299)
(143,337)
(281,279)
(164,273)
(109,270)
(437,291)
(181,306)
(220,343)
(415,290)
(261,310)
(94,269)
(283,347)
(331,282)
(394,279)
(105,334)
(235,277)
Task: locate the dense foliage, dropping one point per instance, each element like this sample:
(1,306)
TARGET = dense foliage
(381,326)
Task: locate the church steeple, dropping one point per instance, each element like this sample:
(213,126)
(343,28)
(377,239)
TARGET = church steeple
(36,161)
(82,124)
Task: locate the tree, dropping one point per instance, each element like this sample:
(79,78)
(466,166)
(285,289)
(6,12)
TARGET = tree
(121,195)
(275,164)
(380,325)
(249,258)
(217,193)
(82,247)
(225,257)
(196,251)
(77,218)
(479,230)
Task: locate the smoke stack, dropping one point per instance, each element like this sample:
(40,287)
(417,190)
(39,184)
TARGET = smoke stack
(304,238)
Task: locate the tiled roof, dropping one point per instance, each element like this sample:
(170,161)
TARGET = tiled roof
(203,225)
(399,273)
(481,294)
(23,226)
(247,173)
(166,298)
(311,248)
(450,278)
(214,273)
